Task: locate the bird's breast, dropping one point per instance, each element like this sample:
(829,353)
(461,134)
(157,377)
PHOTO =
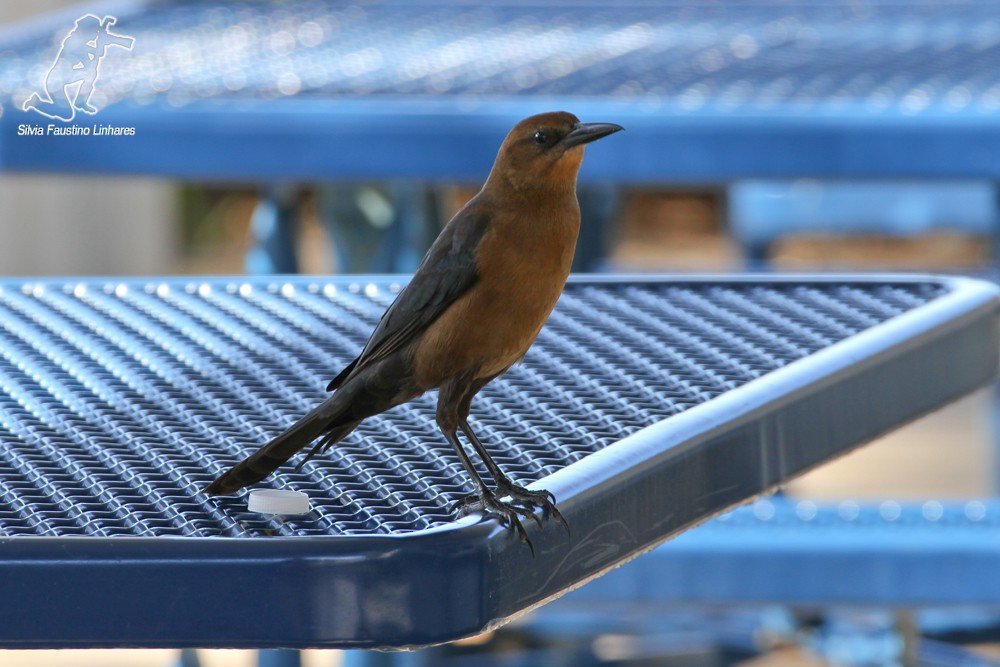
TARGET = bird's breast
(523,263)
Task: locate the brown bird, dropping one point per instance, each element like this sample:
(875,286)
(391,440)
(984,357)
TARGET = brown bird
(472,309)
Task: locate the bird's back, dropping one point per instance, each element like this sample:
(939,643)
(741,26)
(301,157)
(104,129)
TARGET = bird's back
(522,263)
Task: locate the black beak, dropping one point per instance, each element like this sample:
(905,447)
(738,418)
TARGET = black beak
(584,133)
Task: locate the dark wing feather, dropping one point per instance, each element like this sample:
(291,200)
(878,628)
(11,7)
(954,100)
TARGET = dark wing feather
(446,273)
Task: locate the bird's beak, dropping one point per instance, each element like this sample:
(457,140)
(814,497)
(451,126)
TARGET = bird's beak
(584,133)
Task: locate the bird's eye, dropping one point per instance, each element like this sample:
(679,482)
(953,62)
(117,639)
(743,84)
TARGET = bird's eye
(541,137)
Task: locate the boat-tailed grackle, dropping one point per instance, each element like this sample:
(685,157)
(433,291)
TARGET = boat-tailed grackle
(471,310)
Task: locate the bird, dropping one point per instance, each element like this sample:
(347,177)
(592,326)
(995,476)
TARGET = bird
(474,306)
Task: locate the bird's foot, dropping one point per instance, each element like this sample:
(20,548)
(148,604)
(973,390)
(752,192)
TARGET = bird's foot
(532,499)
(509,514)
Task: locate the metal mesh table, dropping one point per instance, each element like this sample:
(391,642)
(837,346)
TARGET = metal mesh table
(264,90)
(647,405)
(799,552)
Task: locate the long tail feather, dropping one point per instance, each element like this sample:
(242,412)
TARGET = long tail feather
(377,389)
(271,456)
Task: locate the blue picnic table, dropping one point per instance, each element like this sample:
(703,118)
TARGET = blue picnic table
(648,405)
(710,93)
(286,94)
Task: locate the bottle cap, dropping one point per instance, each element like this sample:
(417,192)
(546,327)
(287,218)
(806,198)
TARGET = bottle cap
(278,501)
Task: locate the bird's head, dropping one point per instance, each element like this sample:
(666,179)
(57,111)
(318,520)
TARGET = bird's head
(546,150)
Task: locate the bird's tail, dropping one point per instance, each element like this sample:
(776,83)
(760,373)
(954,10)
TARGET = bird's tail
(268,458)
(376,390)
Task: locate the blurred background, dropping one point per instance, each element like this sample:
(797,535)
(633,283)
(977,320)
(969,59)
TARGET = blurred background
(322,137)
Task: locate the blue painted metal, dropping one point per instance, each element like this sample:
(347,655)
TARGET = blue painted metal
(760,212)
(188,658)
(279,658)
(661,632)
(378,229)
(708,91)
(937,558)
(647,406)
(274,228)
(797,552)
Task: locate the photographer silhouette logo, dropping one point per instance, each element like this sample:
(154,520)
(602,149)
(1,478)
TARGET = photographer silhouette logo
(70,81)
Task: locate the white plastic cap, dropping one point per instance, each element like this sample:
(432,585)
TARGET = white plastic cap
(277,501)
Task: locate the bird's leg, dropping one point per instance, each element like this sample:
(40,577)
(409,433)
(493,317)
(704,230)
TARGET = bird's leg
(486,500)
(506,487)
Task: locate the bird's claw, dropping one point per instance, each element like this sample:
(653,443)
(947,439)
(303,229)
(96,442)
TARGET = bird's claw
(464,505)
(509,514)
(524,497)
(522,504)
(489,504)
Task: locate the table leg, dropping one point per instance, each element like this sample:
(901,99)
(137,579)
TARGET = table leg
(279,658)
(275,227)
(188,658)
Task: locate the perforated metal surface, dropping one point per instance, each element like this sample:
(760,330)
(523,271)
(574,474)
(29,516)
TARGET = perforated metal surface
(120,400)
(781,550)
(888,56)
(791,515)
(323,90)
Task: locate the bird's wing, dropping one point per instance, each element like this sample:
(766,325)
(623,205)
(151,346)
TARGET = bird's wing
(446,273)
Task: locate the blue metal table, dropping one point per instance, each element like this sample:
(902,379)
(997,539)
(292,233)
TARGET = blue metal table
(318,91)
(808,554)
(709,92)
(647,406)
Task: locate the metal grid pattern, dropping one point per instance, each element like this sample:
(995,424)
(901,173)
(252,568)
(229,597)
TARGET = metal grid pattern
(889,57)
(782,516)
(119,401)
